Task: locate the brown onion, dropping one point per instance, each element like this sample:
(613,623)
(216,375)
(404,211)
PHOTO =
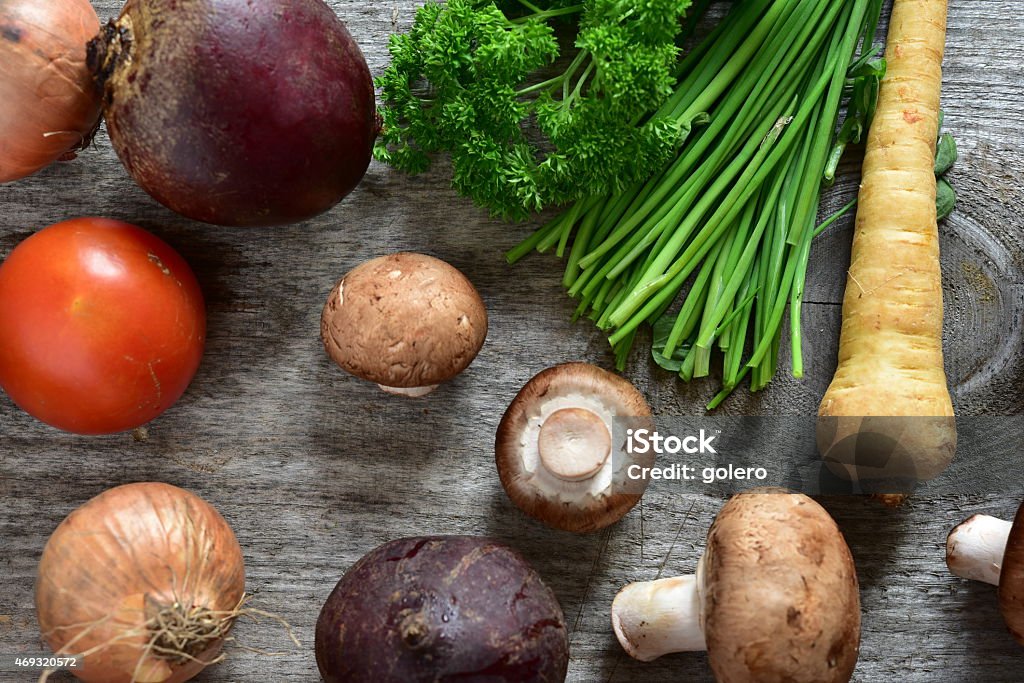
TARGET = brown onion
(145,580)
(50,104)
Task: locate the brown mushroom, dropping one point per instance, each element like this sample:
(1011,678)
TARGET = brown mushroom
(405,321)
(556,448)
(988,549)
(775,597)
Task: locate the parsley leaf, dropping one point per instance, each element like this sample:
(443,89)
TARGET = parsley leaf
(467,79)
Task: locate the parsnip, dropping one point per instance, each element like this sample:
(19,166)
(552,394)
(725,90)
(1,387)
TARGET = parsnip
(890,352)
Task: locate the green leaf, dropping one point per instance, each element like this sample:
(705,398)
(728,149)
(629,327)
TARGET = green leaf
(662,330)
(874,67)
(945,199)
(945,154)
(863,82)
(467,79)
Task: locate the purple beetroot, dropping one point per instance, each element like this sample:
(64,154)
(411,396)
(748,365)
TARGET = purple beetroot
(237,112)
(443,608)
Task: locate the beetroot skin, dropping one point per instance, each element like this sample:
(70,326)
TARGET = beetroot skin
(444,608)
(237,112)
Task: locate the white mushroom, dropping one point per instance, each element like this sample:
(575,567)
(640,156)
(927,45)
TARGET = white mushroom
(974,549)
(406,321)
(988,549)
(775,597)
(663,616)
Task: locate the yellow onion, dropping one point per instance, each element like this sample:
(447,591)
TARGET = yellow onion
(144,580)
(51,104)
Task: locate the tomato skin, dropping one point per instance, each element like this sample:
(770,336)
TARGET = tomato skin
(102,326)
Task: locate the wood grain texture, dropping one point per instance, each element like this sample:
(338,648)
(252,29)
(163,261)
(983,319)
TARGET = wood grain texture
(313,468)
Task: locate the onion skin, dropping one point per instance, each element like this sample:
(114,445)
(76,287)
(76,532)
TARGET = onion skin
(443,608)
(50,104)
(125,550)
(237,112)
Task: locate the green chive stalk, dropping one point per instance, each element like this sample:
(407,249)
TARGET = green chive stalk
(723,235)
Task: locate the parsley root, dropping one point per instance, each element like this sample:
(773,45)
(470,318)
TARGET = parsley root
(890,353)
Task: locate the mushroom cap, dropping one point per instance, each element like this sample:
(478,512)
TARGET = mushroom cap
(572,400)
(780,592)
(404,320)
(1011,579)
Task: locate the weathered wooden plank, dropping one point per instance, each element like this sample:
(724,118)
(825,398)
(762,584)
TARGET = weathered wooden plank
(314,469)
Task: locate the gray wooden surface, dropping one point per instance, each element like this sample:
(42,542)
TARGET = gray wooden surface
(314,468)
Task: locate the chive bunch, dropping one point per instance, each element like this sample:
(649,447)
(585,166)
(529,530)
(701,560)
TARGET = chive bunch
(731,219)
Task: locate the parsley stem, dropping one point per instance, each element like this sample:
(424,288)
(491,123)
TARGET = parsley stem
(544,15)
(530,6)
(562,79)
(568,97)
(551,82)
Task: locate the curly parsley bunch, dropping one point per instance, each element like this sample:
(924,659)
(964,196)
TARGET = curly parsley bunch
(470,79)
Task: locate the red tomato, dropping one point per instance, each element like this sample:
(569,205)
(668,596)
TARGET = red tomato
(102,326)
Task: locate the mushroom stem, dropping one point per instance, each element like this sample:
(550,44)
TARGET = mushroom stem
(574,444)
(974,549)
(655,618)
(410,392)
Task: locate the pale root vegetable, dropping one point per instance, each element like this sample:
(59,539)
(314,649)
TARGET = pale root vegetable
(890,350)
